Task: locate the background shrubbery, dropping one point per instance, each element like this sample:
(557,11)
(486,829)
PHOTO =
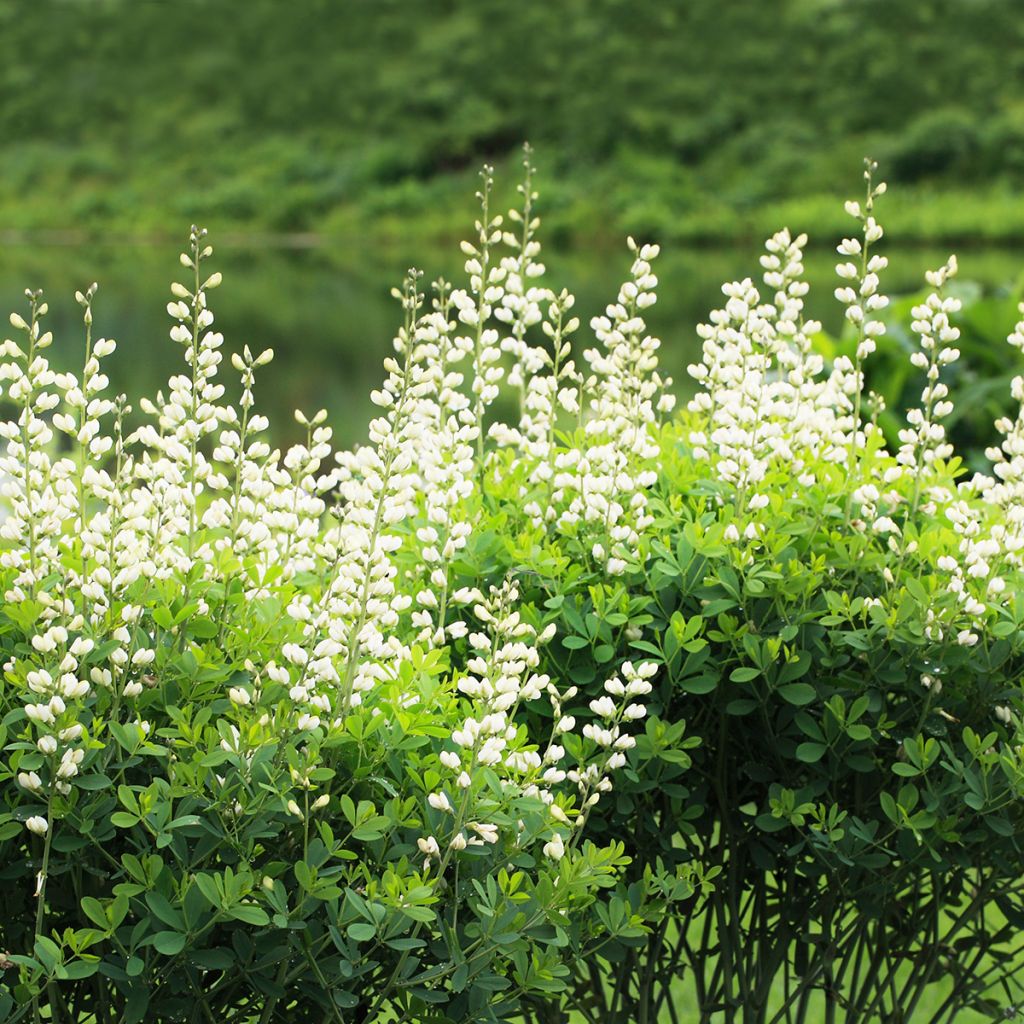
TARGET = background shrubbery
(687,119)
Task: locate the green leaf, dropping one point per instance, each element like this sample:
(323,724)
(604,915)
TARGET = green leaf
(811,753)
(361,932)
(249,914)
(208,887)
(162,617)
(889,807)
(303,875)
(93,782)
(77,970)
(212,959)
(799,694)
(47,952)
(136,1006)
(699,684)
(744,674)
(740,707)
(163,910)
(168,943)
(93,909)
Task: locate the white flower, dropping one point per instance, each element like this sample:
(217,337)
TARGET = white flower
(39,826)
(428,846)
(439,802)
(554,849)
(486,831)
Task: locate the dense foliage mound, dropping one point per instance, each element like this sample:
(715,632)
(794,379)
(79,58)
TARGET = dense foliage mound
(487,721)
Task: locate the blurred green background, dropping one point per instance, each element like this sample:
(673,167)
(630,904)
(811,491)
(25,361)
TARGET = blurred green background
(329,145)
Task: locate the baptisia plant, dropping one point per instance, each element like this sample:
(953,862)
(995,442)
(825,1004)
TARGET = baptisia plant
(837,614)
(832,605)
(398,732)
(265,758)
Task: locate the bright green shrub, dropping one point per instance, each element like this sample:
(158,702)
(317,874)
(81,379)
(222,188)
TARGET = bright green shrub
(243,777)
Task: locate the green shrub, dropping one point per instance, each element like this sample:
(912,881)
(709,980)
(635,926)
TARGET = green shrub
(241,780)
(839,623)
(495,721)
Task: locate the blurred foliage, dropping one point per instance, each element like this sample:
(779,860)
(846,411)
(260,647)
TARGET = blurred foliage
(686,118)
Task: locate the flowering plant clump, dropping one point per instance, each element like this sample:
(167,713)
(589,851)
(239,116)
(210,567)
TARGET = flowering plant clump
(833,610)
(264,759)
(398,732)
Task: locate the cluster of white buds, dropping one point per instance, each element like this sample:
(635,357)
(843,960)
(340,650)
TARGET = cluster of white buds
(43,495)
(544,374)
(601,486)
(766,400)
(500,677)
(621,703)
(244,478)
(101,498)
(1006,490)
(446,463)
(173,463)
(923,440)
(86,406)
(350,641)
(804,428)
(597,488)
(860,270)
(499,680)
(737,348)
(520,307)
(476,304)
(617,705)
(552,390)
(298,506)
(972,571)
(762,399)
(36,491)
